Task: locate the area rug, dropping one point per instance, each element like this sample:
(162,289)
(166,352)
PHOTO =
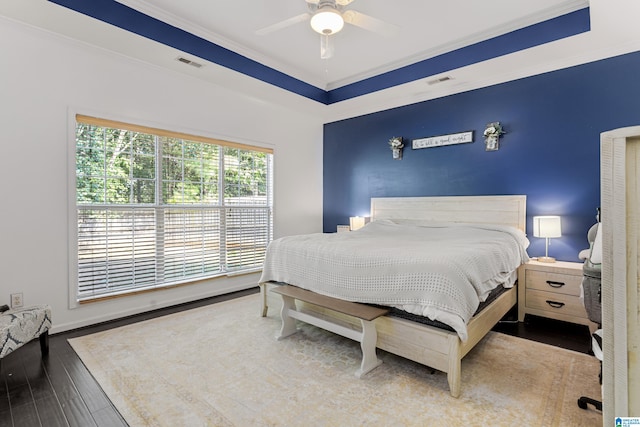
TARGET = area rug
(220,365)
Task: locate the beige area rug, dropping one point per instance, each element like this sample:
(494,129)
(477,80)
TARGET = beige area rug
(220,365)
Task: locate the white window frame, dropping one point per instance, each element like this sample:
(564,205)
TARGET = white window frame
(74,300)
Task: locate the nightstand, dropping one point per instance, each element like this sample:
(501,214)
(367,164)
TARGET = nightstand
(552,290)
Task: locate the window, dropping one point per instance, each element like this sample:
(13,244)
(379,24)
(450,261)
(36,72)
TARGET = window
(158,208)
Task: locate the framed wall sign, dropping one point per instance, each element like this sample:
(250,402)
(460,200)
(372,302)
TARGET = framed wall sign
(438,141)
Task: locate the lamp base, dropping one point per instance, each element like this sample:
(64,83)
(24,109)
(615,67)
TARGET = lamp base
(546,259)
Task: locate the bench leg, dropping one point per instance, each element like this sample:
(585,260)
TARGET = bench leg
(44,343)
(368,345)
(263,294)
(288,323)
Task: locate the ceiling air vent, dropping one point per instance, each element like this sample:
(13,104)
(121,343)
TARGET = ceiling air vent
(189,62)
(438,80)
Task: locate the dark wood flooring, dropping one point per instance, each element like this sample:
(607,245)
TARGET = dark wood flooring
(58,390)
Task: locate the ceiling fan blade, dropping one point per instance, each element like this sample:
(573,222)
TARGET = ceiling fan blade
(283,24)
(370,23)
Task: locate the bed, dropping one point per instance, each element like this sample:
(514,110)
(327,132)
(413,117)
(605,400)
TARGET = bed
(433,345)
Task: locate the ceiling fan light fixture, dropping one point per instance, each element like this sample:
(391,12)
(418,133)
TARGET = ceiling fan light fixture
(327,21)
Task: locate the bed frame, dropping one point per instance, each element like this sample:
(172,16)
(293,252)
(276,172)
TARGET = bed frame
(437,348)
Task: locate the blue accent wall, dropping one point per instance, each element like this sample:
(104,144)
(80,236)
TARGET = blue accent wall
(550,152)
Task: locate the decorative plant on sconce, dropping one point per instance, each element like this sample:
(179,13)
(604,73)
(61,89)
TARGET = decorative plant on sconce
(492,136)
(396,145)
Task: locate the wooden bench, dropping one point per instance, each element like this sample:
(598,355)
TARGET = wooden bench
(367,338)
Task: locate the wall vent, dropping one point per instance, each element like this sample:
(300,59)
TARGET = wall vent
(188,62)
(438,80)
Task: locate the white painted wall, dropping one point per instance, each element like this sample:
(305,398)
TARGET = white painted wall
(44,79)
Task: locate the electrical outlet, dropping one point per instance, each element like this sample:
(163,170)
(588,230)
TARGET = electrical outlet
(16,300)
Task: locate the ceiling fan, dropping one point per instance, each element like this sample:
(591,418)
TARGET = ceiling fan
(327,18)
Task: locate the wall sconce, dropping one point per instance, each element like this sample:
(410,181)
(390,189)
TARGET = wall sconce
(548,226)
(396,145)
(356,222)
(492,136)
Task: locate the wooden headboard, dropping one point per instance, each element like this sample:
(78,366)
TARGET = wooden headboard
(505,210)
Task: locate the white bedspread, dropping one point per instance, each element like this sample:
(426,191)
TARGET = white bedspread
(441,271)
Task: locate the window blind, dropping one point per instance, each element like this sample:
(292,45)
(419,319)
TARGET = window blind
(157,208)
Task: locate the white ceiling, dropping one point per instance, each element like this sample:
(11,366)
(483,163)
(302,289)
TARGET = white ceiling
(426,28)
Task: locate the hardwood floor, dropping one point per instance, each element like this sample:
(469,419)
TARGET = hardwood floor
(549,331)
(59,391)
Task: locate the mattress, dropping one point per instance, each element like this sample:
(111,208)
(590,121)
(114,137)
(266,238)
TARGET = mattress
(495,293)
(439,271)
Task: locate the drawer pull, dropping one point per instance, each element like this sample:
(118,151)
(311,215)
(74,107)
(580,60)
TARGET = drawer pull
(555,284)
(555,304)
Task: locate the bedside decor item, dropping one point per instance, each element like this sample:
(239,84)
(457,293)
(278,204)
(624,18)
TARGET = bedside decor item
(356,222)
(547,227)
(439,141)
(396,146)
(492,136)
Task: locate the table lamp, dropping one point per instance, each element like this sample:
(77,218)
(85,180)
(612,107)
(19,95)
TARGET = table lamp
(548,227)
(356,222)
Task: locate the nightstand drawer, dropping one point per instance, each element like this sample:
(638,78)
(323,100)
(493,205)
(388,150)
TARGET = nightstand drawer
(553,282)
(557,303)
(559,284)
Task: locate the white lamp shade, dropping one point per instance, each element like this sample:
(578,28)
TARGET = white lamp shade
(356,222)
(327,21)
(547,226)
